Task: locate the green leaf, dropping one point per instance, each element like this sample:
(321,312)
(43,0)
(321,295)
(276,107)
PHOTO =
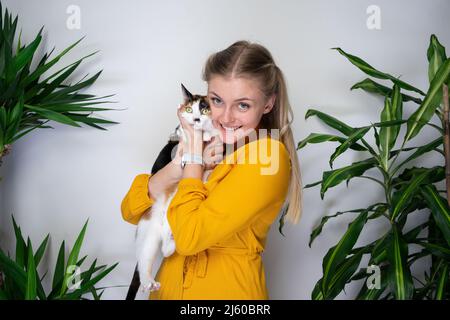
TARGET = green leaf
(90,120)
(379,252)
(58,274)
(317,293)
(76,107)
(388,135)
(317,230)
(373,87)
(3,119)
(377,137)
(41,250)
(402,197)
(330,121)
(420,151)
(4,295)
(21,247)
(87,287)
(319,138)
(88,274)
(442,284)
(436,56)
(14,121)
(312,184)
(43,68)
(49,88)
(399,275)
(435,174)
(281,220)
(339,252)
(334,177)
(30,293)
(439,208)
(435,249)
(52,115)
(412,234)
(375,293)
(16,113)
(352,139)
(342,275)
(419,118)
(73,257)
(23,57)
(371,71)
(12,270)
(72,88)
(21,134)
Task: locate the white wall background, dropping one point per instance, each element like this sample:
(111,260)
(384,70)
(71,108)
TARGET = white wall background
(55,179)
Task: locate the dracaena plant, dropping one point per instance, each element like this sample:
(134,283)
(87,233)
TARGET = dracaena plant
(31,96)
(21,280)
(404,188)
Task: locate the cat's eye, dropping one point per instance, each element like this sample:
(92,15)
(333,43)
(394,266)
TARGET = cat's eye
(206,111)
(188,109)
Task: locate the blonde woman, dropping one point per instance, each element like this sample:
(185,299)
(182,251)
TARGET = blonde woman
(220,226)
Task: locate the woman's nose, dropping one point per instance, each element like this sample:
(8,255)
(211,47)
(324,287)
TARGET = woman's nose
(227,116)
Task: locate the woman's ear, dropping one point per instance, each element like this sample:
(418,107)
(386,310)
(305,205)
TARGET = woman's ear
(270,103)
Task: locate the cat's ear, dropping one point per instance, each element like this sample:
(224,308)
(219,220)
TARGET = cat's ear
(188,97)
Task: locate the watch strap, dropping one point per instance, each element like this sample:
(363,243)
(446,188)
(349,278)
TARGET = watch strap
(190,158)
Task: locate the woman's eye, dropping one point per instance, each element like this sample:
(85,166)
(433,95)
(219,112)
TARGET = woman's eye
(244,106)
(215,100)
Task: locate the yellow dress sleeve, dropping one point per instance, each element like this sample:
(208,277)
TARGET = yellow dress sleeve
(137,200)
(199,220)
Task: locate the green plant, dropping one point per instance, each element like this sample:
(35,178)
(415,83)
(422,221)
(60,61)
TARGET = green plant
(406,190)
(22,281)
(28,102)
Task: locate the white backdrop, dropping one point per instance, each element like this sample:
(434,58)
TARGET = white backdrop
(55,179)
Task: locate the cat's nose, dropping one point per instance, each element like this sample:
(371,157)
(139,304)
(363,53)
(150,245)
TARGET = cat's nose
(197,119)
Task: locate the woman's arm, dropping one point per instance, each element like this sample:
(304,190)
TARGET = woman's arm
(199,218)
(146,188)
(166,178)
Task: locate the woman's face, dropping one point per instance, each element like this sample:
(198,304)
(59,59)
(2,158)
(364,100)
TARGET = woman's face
(237,106)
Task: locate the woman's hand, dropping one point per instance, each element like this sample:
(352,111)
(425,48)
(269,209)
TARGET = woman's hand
(192,142)
(213,153)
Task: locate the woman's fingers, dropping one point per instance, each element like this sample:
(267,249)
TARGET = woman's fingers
(213,153)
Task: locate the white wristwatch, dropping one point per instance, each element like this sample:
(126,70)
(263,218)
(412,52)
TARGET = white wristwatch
(190,158)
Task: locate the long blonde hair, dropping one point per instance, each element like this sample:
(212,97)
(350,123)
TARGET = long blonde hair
(252,60)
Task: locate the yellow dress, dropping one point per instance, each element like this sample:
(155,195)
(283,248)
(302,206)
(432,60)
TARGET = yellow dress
(220,226)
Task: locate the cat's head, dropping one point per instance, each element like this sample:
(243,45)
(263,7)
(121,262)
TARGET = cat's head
(195,109)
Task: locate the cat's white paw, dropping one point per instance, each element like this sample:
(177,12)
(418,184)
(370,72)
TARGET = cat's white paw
(206,136)
(151,286)
(198,126)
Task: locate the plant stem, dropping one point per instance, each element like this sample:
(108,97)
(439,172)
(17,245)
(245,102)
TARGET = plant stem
(396,156)
(386,184)
(4,152)
(446,141)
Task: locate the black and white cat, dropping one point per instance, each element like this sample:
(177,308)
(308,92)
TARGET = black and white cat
(153,230)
